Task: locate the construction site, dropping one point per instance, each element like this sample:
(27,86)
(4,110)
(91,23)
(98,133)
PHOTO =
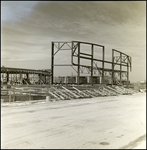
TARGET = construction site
(96,107)
(73,75)
(103,77)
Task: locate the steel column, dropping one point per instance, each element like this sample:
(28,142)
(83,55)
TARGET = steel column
(92,64)
(27,75)
(103,64)
(7,77)
(120,67)
(112,66)
(78,80)
(52,64)
(128,72)
(21,77)
(72,51)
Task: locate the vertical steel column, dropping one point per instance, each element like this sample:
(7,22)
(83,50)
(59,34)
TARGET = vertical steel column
(112,66)
(127,71)
(72,52)
(26,75)
(11,78)
(120,67)
(103,64)
(78,81)
(92,64)
(52,64)
(7,77)
(20,77)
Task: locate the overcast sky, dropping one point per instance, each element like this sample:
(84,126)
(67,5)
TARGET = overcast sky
(28,28)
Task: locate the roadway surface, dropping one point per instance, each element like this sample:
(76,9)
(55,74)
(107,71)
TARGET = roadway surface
(115,122)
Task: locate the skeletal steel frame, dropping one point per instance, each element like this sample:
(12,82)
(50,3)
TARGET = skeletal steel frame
(75,47)
(7,71)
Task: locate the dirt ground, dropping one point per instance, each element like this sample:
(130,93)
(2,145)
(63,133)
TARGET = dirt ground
(116,122)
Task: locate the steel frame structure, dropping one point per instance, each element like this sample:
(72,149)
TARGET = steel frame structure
(120,59)
(26,73)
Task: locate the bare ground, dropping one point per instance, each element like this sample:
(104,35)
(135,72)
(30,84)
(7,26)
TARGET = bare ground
(96,123)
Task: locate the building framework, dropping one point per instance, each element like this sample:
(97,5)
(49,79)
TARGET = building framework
(118,59)
(24,76)
(78,53)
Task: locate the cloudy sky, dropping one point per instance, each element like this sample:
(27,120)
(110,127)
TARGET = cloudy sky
(28,28)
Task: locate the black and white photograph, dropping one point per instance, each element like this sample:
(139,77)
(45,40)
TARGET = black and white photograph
(73,74)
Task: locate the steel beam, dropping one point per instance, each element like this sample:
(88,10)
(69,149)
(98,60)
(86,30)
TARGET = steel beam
(103,61)
(95,68)
(88,43)
(21,70)
(120,52)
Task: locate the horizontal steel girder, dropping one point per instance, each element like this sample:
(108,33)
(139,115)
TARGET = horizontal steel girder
(24,71)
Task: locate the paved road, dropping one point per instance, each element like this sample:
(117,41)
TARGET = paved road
(97,123)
